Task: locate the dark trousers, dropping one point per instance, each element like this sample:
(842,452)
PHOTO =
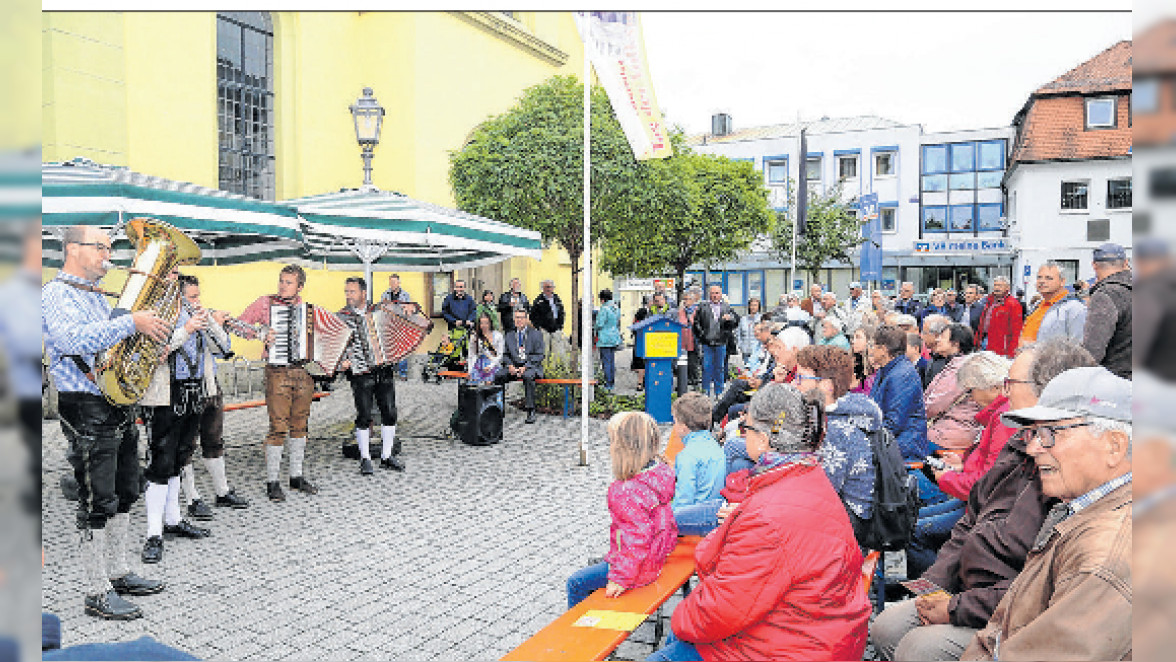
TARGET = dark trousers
(104,454)
(694,365)
(171,432)
(503,376)
(378,385)
(734,395)
(30,431)
(212,425)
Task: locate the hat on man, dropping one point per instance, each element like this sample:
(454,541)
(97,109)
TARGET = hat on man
(1076,393)
(1109,252)
(1148,248)
(855,285)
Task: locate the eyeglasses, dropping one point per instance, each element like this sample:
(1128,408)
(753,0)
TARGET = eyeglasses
(744,426)
(1009,381)
(99,246)
(1047,434)
(804,377)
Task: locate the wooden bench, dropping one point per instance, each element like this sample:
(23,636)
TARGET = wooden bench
(567,385)
(562,641)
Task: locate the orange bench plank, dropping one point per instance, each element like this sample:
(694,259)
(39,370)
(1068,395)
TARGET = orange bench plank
(561,641)
(261,403)
(673,446)
(869,566)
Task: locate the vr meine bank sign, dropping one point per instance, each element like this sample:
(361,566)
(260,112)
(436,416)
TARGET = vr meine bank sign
(964,246)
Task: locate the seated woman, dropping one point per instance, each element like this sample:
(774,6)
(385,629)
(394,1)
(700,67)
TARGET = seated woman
(485,351)
(832,332)
(863,370)
(951,413)
(699,468)
(780,579)
(982,376)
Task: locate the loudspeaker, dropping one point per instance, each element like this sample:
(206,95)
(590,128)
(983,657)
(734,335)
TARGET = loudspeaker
(479,414)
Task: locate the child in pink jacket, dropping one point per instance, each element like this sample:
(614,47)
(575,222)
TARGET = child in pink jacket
(643,532)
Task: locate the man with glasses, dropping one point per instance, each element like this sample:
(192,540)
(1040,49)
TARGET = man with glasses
(1072,600)
(77,323)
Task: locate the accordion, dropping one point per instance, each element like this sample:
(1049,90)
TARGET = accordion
(305,334)
(387,333)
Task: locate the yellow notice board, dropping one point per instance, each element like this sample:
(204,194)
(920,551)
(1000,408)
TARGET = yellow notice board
(661,345)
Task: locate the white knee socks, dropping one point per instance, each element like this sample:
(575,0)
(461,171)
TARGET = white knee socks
(117,535)
(273,463)
(364,439)
(171,512)
(388,433)
(297,453)
(93,552)
(216,469)
(156,499)
(188,482)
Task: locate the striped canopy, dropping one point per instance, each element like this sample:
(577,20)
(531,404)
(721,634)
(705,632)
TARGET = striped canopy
(387,231)
(229,228)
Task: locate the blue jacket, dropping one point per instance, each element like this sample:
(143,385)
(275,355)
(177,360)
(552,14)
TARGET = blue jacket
(700,469)
(899,392)
(454,309)
(846,455)
(910,307)
(608,325)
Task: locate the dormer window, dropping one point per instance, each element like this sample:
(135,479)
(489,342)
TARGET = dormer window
(1100,113)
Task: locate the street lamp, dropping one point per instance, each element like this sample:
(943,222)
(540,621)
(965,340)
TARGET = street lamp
(368,115)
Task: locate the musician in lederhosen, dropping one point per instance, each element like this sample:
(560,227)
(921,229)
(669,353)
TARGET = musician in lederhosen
(171,409)
(289,391)
(77,324)
(396,294)
(217,344)
(369,381)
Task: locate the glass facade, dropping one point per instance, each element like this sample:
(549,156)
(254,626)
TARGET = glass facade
(956,174)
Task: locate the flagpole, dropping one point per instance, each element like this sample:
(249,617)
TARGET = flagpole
(586,280)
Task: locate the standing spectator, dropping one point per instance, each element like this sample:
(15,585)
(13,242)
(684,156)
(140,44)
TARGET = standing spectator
(1060,313)
(745,335)
(879,303)
(857,301)
(937,305)
(933,326)
(812,305)
(458,307)
(488,308)
(687,313)
(608,336)
(955,309)
(547,311)
(1154,313)
(714,324)
(1108,322)
(395,293)
(829,308)
(778,313)
(899,393)
(511,299)
(1072,600)
(794,315)
(973,306)
(1000,323)
(907,304)
(659,287)
(637,364)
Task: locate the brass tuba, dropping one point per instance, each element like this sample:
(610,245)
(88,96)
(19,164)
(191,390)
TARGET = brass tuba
(125,370)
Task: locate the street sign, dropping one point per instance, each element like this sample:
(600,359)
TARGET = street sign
(797,283)
(871,254)
(868,204)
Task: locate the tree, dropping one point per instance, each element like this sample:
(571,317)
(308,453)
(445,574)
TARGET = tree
(830,233)
(687,209)
(525,167)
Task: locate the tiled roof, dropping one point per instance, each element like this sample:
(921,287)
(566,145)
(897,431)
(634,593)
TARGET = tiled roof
(1109,70)
(1155,49)
(823,125)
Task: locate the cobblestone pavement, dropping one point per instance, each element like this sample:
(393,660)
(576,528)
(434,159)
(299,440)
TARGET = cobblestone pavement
(463,556)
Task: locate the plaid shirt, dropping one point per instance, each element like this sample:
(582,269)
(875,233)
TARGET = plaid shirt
(1086,500)
(77,322)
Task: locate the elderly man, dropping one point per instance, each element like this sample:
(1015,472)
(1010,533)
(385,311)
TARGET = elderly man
(511,299)
(1108,322)
(812,304)
(857,301)
(906,303)
(1000,323)
(1072,600)
(829,308)
(973,306)
(547,311)
(989,543)
(1060,313)
(782,347)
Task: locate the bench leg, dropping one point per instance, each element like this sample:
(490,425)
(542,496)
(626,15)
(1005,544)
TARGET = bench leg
(658,628)
(567,400)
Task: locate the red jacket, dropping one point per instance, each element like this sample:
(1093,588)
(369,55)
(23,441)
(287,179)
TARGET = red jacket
(980,458)
(781,578)
(1002,322)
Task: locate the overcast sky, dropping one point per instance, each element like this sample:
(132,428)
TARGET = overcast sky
(944,71)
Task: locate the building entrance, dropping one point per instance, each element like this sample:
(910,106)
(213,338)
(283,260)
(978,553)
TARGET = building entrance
(954,277)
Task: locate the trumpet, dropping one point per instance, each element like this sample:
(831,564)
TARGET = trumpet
(194,311)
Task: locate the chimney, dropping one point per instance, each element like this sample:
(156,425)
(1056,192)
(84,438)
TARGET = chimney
(720,124)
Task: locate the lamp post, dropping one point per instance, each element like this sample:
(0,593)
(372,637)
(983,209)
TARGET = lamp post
(368,115)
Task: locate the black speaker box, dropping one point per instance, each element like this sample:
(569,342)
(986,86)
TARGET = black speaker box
(479,414)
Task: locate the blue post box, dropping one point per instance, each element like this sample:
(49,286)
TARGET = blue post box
(657,341)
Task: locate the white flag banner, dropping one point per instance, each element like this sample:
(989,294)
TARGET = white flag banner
(613,44)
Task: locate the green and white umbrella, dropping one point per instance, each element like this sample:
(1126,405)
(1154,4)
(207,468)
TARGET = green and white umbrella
(229,228)
(387,231)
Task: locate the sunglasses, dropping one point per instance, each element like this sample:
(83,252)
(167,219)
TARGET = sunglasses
(1047,435)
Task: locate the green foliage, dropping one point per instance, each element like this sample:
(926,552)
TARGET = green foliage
(687,209)
(831,233)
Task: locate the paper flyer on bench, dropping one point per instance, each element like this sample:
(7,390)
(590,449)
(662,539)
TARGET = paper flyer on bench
(610,620)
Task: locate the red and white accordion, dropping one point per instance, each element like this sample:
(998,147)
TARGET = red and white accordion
(387,333)
(307,335)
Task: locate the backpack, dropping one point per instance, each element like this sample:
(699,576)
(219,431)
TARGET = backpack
(896,497)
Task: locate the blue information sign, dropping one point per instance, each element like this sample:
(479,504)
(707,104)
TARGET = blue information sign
(871,255)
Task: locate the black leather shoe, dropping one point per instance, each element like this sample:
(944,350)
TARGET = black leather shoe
(199,510)
(231,500)
(185,530)
(365,467)
(392,462)
(152,550)
(111,606)
(531,418)
(132,584)
(302,485)
(274,491)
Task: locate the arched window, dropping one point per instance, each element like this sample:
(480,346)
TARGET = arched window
(245,102)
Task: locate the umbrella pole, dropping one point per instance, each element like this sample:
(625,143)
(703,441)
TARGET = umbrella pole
(367,276)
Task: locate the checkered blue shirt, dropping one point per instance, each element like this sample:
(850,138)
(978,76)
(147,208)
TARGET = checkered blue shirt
(74,321)
(1086,500)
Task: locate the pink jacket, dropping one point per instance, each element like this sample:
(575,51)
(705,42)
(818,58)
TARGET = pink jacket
(643,531)
(983,455)
(956,428)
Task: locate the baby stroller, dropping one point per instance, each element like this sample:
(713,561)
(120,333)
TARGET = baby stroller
(449,355)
